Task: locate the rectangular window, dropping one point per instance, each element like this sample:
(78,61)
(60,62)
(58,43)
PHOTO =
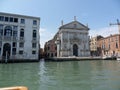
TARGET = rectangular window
(14,33)
(14,51)
(116,38)
(33,45)
(6,19)
(14,44)
(0,43)
(1,30)
(22,21)
(34,34)
(15,28)
(21,52)
(0,50)
(34,22)
(21,44)
(11,19)
(1,18)
(16,20)
(33,52)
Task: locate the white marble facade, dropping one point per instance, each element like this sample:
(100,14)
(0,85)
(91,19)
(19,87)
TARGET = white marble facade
(19,36)
(73,40)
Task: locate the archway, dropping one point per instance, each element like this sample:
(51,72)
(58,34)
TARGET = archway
(75,50)
(6,50)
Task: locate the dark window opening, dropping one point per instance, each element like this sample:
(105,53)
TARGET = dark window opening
(34,34)
(33,52)
(11,19)
(1,18)
(14,51)
(21,44)
(22,33)
(34,22)
(15,19)
(14,44)
(21,52)
(14,33)
(116,45)
(33,45)
(1,30)
(6,19)
(22,21)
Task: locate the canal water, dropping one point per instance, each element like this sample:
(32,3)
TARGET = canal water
(69,75)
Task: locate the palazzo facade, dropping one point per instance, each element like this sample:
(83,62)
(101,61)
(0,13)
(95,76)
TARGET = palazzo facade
(19,36)
(72,39)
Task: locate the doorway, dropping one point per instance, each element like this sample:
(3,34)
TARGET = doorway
(75,50)
(6,50)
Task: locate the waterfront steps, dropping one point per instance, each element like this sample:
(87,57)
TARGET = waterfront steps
(15,88)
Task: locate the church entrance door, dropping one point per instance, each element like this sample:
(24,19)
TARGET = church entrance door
(75,50)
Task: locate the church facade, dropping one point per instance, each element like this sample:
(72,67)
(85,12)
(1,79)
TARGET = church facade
(72,39)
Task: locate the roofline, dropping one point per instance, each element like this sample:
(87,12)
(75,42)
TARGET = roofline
(110,36)
(72,22)
(3,13)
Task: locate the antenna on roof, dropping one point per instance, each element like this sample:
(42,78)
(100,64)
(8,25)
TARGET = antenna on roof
(118,23)
(62,22)
(75,18)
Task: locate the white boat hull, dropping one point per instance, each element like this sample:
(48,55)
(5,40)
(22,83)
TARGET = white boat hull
(118,58)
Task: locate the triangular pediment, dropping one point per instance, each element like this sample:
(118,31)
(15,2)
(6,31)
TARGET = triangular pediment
(74,25)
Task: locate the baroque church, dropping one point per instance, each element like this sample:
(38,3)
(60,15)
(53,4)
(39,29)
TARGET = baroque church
(72,39)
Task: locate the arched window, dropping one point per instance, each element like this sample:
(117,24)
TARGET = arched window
(8,31)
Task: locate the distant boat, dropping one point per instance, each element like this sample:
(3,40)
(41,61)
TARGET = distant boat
(109,57)
(118,58)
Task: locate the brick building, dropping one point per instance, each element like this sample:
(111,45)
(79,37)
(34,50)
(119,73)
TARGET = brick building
(110,46)
(50,49)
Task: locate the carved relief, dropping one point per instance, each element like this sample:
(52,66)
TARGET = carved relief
(65,40)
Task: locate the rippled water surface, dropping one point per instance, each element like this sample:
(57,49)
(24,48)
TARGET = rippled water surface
(72,75)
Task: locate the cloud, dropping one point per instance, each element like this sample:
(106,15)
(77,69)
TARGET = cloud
(106,31)
(45,35)
(42,31)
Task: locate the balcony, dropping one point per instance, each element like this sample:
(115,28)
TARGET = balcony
(34,40)
(6,38)
(22,39)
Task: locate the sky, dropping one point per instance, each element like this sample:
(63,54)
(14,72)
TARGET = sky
(98,14)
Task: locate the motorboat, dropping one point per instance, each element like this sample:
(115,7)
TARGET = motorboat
(118,58)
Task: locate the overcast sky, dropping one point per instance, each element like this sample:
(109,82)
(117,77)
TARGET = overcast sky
(96,13)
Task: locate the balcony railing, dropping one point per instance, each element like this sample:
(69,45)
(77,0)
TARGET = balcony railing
(22,39)
(6,38)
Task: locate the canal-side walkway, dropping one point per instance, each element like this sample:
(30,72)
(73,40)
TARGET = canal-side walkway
(77,58)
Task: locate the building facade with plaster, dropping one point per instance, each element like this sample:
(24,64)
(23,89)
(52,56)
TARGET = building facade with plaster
(19,36)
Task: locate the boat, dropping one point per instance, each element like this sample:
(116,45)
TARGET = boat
(109,57)
(118,58)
